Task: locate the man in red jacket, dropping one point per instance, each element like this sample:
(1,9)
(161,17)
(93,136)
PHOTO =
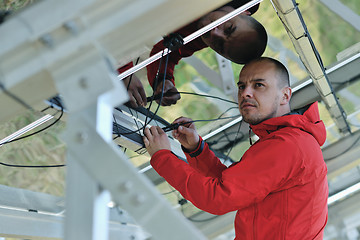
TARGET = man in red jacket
(279,187)
(240,39)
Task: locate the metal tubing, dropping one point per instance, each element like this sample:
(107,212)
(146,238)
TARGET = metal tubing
(189,38)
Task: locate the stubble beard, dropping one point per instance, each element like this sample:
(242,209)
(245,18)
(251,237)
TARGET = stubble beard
(257,117)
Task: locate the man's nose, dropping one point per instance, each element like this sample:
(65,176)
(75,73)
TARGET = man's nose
(246,92)
(216,33)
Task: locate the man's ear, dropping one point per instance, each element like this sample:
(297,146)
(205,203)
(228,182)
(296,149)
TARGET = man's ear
(286,95)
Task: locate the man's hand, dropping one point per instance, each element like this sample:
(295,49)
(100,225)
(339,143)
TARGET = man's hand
(155,139)
(136,91)
(186,134)
(172,93)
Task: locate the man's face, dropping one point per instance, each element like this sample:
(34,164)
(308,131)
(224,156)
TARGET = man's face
(227,38)
(259,95)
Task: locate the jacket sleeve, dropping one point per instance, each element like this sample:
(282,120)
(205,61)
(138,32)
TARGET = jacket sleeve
(175,56)
(210,166)
(261,171)
(125,67)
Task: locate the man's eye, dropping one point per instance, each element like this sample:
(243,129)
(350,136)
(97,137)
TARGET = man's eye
(259,84)
(229,30)
(241,87)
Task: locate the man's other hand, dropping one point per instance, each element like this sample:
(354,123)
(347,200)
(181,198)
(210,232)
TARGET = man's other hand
(172,94)
(186,133)
(136,91)
(155,139)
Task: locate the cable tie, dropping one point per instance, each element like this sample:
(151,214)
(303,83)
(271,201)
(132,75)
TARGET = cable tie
(173,41)
(171,127)
(158,96)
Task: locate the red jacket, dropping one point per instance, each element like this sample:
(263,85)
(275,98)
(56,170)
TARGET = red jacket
(175,56)
(279,188)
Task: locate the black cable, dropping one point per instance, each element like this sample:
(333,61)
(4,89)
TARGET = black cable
(36,132)
(226,135)
(215,119)
(234,142)
(355,125)
(183,201)
(127,87)
(317,55)
(156,97)
(14,97)
(32,166)
(162,91)
(175,126)
(147,113)
(227,110)
(202,220)
(172,191)
(3,15)
(35,166)
(171,42)
(209,96)
(351,146)
(117,128)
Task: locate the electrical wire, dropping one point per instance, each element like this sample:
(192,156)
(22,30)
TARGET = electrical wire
(117,127)
(32,166)
(147,114)
(182,201)
(209,96)
(172,190)
(347,149)
(162,90)
(234,142)
(355,125)
(127,87)
(161,96)
(220,139)
(211,120)
(316,53)
(227,111)
(202,220)
(36,132)
(15,98)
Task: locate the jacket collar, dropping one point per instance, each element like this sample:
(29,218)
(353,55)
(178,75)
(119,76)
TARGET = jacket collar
(306,119)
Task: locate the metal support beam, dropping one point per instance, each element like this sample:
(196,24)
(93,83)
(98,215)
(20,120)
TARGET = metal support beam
(227,76)
(49,30)
(340,75)
(343,12)
(89,141)
(341,154)
(291,17)
(28,214)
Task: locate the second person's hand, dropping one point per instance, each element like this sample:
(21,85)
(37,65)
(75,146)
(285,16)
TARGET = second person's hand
(171,94)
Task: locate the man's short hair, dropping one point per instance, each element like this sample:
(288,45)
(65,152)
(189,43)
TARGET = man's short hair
(254,44)
(284,79)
